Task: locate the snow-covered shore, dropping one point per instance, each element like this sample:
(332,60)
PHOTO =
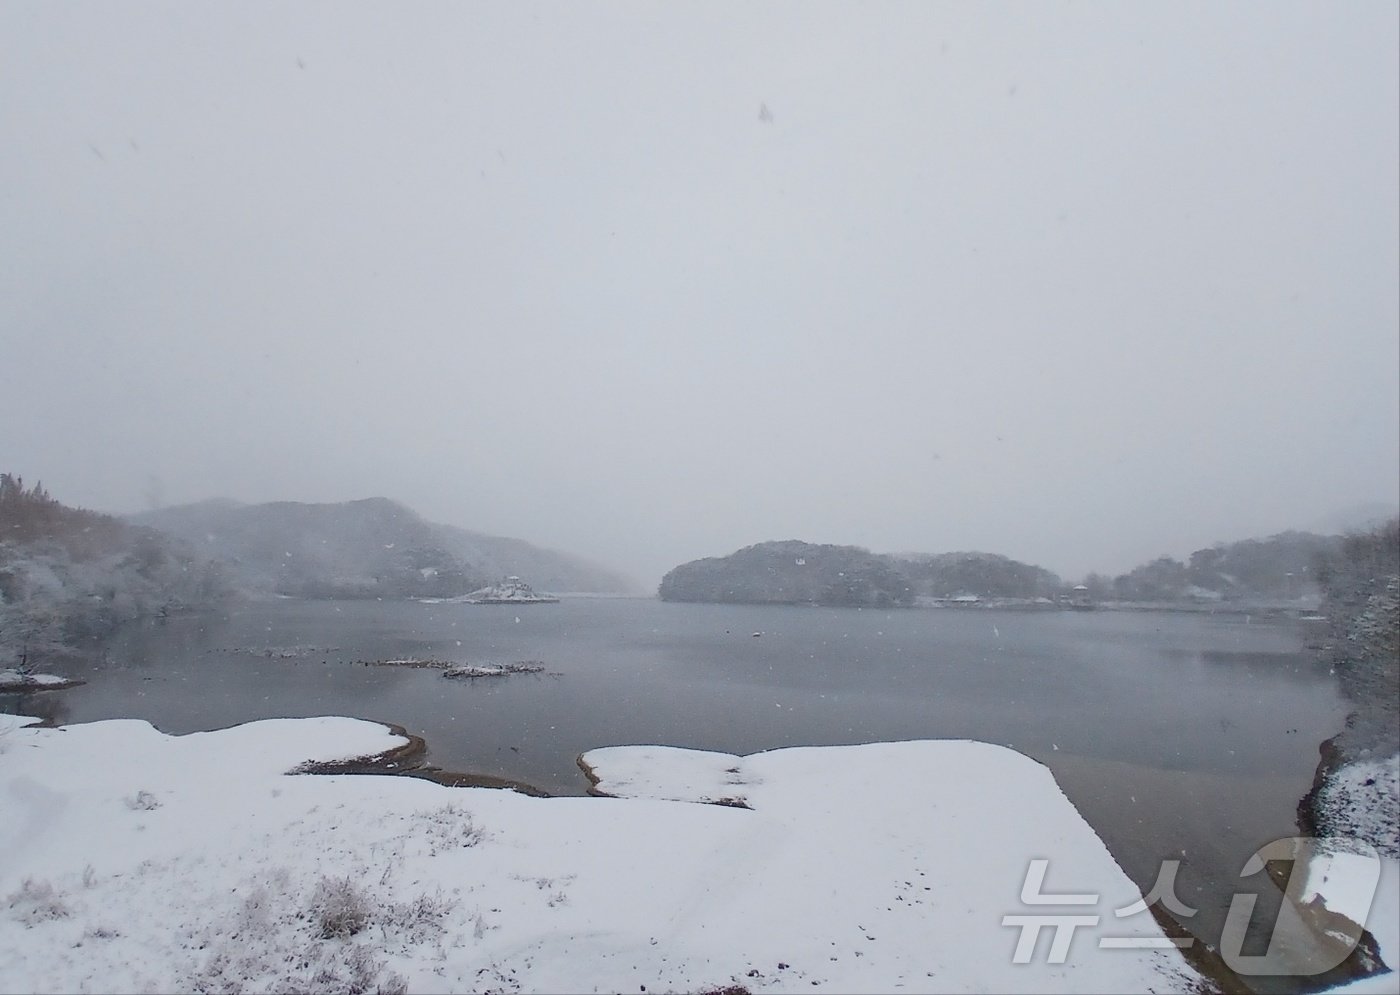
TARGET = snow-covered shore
(134,860)
(17,680)
(1361,799)
(1358,803)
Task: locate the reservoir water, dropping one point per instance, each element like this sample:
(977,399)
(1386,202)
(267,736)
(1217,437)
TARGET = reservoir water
(1178,736)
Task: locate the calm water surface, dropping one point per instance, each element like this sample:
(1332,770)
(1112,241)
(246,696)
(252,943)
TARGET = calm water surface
(1189,736)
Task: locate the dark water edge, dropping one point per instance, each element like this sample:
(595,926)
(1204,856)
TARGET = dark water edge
(1180,737)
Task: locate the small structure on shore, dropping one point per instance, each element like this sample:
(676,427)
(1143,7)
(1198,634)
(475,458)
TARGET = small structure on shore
(1079,598)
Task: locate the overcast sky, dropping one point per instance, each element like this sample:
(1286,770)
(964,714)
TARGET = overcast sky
(1079,283)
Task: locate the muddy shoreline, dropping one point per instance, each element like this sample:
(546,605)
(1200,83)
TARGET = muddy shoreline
(33,686)
(1330,760)
(409,760)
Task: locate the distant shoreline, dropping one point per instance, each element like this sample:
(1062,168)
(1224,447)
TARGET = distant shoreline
(1296,612)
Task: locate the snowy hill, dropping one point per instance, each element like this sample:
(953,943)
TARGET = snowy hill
(368,548)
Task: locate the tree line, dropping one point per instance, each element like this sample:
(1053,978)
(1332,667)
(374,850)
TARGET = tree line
(68,576)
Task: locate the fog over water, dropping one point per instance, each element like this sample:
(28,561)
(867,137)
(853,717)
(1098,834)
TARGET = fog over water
(1081,284)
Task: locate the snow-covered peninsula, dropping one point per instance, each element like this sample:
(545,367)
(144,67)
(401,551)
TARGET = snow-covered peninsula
(196,863)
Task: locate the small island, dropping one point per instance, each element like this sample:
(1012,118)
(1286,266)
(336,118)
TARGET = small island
(791,573)
(511,591)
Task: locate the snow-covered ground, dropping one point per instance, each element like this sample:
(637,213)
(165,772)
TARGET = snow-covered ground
(1361,802)
(1348,884)
(1344,883)
(134,860)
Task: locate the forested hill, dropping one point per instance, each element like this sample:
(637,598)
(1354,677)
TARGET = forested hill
(68,575)
(1278,570)
(985,575)
(794,572)
(1280,567)
(790,572)
(368,548)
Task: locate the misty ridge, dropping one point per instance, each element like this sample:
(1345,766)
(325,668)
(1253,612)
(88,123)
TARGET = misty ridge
(371,548)
(69,576)
(1280,570)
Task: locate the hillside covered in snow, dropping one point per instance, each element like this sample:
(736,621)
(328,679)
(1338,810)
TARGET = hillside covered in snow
(364,549)
(68,576)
